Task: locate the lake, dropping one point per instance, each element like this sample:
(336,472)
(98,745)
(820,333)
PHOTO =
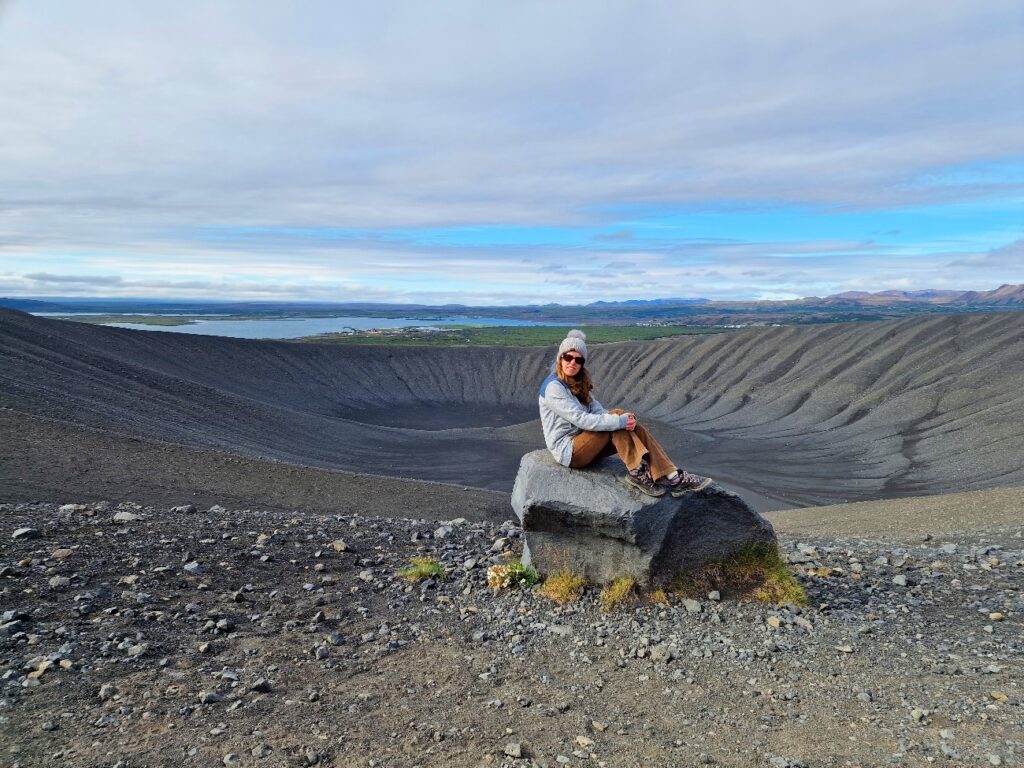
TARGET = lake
(294,327)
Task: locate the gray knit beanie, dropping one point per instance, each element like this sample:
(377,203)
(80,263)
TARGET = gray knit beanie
(575,340)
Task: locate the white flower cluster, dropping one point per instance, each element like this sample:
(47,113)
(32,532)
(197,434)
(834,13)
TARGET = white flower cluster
(514,574)
(499,577)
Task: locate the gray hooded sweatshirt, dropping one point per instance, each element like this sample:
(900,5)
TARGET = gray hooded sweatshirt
(563,417)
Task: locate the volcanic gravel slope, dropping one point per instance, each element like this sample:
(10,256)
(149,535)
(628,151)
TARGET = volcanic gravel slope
(787,416)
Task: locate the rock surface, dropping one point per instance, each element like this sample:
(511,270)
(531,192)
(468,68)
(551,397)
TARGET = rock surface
(589,522)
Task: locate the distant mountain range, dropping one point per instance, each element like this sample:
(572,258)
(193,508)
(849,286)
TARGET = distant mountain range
(1001,296)
(849,305)
(649,303)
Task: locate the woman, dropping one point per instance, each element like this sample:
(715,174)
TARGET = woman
(578,430)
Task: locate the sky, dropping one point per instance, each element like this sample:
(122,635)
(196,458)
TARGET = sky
(509,153)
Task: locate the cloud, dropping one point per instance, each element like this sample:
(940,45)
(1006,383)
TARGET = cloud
(192,142)
(618,236)
(98,280)
(1010,255)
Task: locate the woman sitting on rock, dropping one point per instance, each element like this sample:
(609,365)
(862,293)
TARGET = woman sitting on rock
(578,430)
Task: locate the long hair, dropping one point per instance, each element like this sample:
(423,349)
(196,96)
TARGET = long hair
(580,384)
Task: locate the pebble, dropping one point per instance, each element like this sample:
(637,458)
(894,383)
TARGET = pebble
(661,653)
(232,759)
(514,749)
(107,692)
(193,568)
(25,533)
(126,517)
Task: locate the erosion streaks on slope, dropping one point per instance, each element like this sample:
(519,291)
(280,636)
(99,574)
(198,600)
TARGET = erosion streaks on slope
(794,415)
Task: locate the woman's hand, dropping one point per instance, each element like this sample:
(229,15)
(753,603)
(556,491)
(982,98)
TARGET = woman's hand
(630,421)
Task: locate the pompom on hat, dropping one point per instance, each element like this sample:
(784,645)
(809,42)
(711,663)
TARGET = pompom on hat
(575,340)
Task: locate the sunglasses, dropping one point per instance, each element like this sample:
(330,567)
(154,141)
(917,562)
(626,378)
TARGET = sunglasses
(573,359)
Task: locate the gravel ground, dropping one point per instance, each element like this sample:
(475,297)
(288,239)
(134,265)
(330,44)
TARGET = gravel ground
(145,636)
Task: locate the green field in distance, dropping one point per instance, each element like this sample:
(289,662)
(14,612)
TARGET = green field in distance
(508,336)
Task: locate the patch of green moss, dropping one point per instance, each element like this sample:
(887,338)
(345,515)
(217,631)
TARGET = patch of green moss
(756,572)
(422,568)
(563,587)
(619,594)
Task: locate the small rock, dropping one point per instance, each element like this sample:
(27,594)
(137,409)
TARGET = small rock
(661,654)
(126,517)
(261,750)
(210,697)
(996,616)
(691,606)
(25,533)
(339,545)
(900,580)
(193,568)
(262,685)
(62,554)
(183,509)
(107,691)
(514,749)
(232,759)
(714,595)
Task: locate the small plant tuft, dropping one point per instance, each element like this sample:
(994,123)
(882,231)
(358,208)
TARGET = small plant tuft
(619,594)
(563,587)
(514,574)
(658,596)
(422,568)
(756,572)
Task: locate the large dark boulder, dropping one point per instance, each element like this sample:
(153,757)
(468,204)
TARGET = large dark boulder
(589,522)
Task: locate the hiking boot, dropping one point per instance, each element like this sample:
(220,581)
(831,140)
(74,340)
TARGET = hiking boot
(685,482)
(641,480)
